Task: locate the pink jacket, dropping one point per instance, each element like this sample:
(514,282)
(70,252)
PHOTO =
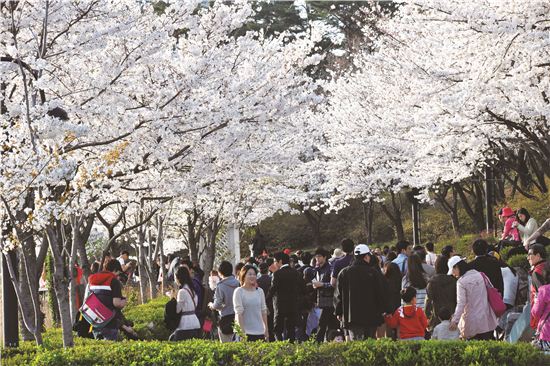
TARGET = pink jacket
(473,312)
(510,233)
(541,311)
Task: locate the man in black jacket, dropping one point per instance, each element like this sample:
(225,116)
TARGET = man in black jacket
(287,288)
(362,298)
(487,264)
(325,294)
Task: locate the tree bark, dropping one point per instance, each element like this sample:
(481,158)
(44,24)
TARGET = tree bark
(395,216)
(368,216)
(60,282)
(314,219)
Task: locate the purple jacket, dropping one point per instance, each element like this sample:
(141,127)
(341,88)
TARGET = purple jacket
(541,311)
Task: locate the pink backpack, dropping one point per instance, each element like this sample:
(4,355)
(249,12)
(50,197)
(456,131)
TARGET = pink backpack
(95,312)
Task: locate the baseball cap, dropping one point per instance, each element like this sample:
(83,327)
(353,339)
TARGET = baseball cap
(361,249)
(451,263)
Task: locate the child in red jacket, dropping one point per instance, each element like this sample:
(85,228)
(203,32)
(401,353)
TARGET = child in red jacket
(410,320)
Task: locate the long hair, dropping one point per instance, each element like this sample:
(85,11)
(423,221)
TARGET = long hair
(244,270)
(523,211)
(415,272)
(184,278)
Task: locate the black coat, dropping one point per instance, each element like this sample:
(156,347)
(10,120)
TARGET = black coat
(287,290)
(490,266)
(362,295)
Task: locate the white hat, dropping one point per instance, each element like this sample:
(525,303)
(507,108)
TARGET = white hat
(361,249)
(338,253)
(452,262)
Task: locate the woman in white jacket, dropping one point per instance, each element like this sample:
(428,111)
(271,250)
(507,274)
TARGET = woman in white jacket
(526,226)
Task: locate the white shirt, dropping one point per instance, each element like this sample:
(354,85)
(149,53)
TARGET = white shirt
(441,331)
(430,258)
(526,231)
(510,286)
(187,303)
(251,305)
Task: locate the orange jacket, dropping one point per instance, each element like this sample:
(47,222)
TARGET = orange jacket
(410,320)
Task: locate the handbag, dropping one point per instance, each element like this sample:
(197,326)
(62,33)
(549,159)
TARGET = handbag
(493,296)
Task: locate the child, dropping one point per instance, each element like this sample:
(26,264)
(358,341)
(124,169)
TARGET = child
(441,331)
(410,320)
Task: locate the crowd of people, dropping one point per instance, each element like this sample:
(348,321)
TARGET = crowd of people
(358,291)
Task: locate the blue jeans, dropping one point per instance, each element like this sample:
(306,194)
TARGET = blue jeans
(110,334)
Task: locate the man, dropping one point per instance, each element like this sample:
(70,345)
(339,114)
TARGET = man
(124,259)
(430,255)
(537,259)
(339,264)
(404,250)
(223,301)
(325,295)
(108,290)
(362,298)
(264,282)
(286,291)
(487,264)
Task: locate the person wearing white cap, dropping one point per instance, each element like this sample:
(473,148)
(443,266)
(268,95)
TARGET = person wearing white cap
(362,297)
(473,315)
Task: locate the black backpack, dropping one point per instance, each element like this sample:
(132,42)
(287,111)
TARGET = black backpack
(171,316)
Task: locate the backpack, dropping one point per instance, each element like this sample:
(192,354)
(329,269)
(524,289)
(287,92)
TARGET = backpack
(522,293)
(171,316)
(95,312)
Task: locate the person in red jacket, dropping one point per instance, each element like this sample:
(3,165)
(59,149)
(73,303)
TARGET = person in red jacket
(537,259)
(410,321)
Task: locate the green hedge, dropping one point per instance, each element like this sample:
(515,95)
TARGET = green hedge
(199,352)
(149,319)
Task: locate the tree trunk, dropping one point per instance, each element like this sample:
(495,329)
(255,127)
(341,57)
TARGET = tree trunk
(314,219)
(395,216)
(368,216)
(60,282)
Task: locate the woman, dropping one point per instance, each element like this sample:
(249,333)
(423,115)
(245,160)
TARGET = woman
(250,307)
(526,225)
(416,277)
(392,273)
(473,314)
(189,326)
(541,311)
(510,233)
(440,292)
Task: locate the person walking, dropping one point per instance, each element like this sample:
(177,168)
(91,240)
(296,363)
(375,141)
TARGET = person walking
(286,292)
(404,250)
(537,259)
(541,311)
(362,297)
(440,292)
(473,315)
(250,307)
(487,264)
(189,325)
(417,278)
(410,320)
(223,301)
(325,295)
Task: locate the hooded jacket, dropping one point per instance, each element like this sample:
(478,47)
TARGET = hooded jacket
(410,320)
(223,296)
(536,282)
(362,295)
(541,312)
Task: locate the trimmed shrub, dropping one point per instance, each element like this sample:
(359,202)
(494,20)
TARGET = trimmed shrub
(149,319)
(200,352)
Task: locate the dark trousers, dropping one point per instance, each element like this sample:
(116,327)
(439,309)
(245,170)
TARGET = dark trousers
(327,321)
(517,250)
(358,333)
(543,240)
(255,337)
(270,325)
(285,322)
(487,336)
